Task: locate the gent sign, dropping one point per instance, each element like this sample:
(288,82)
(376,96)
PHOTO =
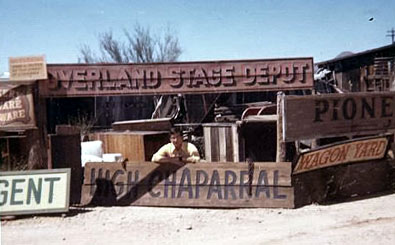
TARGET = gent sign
(36,191)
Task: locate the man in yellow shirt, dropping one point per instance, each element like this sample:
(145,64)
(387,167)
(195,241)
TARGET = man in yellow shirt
(177,151)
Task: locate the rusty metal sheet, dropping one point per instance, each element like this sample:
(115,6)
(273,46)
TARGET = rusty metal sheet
(357,150)
(330,115)
(16,106)
(172,78)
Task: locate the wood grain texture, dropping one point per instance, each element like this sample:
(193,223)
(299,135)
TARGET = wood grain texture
(135,145)
(330,115)
(195,185)
(181,77)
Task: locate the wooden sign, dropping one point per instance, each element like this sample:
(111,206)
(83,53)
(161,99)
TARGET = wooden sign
(193,185)
(35,191)
(356,150)
(27,68)
(317,116)
(173,78)
(16,106)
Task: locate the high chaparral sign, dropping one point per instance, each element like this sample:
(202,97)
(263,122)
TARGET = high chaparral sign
(16,106)
(317,116)
(35,191)
(172,78)
(193,185)
(357,150)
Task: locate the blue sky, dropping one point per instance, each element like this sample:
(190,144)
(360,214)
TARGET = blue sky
(207,30)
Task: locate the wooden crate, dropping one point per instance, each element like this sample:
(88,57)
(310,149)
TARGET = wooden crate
(134,145)
(222,143)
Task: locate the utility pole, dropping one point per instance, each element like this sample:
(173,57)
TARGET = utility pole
(391,33)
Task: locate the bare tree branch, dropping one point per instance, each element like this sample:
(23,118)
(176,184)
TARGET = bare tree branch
(141,47)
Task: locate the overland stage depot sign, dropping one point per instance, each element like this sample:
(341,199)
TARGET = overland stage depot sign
(357,150)
(193,185)
(172,78)
(317,116)
(16,106)
(36,191)
(28,68)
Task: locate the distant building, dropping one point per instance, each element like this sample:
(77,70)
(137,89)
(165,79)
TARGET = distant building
(4,76)
(371,70)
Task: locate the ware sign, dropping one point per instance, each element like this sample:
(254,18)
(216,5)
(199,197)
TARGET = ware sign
(346,152)
(36,191)
(16,106)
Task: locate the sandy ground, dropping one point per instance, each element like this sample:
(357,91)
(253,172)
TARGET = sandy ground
(357,222)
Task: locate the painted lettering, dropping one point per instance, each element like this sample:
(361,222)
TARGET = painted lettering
(200,183)
(4,194)
(16,190)
(32,188)
(262,185)
(215,186)
(230,180)
(185,184)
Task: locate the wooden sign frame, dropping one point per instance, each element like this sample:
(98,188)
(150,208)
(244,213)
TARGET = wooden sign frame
(16,107)
(193,185)
(27,68)
(181,77)
(345,152)
(32,183)
(331,115)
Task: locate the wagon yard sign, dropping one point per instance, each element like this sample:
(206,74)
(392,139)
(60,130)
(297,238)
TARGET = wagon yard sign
(356,150)
(193,185)
(183,77)
(16,106)
(329,115)
(35,191)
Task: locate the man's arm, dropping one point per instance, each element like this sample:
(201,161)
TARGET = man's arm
(193,152)
(162,156)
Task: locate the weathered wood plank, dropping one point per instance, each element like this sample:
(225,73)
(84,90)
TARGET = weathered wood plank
(133,145)
(197,185)
(159,124)
(181,77)
(190,196)
(226,172)
(357,150)
(317,116)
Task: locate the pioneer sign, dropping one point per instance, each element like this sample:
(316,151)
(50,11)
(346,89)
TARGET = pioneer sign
(16,106)
(35,191)
(316,116)
(356,150)
(172,78)
(194,185)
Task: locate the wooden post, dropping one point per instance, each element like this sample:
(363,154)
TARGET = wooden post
(280,152)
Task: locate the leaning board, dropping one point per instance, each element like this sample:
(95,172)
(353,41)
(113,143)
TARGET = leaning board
(266,184)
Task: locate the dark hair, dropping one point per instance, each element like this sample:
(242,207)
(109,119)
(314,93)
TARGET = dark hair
(175,130)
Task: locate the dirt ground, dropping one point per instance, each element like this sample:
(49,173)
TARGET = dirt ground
(364,221)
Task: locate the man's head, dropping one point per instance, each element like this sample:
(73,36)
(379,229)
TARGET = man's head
(176,137)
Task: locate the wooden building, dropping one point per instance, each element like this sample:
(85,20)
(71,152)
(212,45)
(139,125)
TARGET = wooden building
(367,71)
